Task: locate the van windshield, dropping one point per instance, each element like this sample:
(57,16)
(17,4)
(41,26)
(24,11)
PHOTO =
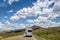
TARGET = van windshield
(29,30)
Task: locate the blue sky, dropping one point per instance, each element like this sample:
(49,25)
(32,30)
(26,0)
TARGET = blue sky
(15,6)
(17,13)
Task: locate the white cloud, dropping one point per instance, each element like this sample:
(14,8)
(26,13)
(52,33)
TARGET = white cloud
(22,25)
(56,0)
(42,18)
(4,0)
(1,25)
(15,18)
(7,22)
(53,16)
(19,26)
(30,21)
(11,1)
(58,3)
(10,11)
(5,16)
(7,26)
(44,23)
(57,8)
(36,10)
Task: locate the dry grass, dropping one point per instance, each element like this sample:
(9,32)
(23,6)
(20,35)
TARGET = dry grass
(6,35)
(48,33)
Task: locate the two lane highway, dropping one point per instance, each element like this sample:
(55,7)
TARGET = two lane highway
(20,37)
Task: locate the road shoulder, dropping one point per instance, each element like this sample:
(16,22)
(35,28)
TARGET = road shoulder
(38,38)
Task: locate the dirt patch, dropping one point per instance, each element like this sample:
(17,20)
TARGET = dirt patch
(1,37)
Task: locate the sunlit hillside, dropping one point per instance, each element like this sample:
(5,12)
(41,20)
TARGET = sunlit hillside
(48,33)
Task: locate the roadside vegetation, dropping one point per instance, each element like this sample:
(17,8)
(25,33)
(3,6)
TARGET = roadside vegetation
(6,35)
(48,33)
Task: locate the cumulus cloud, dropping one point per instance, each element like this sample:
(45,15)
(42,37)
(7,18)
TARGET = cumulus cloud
(10,11)
(1,25)
(20,26)
(7,22)
(16,25)
(11,1)
(34,10)
(30,21)
(7,25)
(56,9)
(14,18)
(41,9)
(43,23)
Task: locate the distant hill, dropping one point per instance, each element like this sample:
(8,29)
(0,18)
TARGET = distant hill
(52,33)
(21,30)
(11,31)
(35,27)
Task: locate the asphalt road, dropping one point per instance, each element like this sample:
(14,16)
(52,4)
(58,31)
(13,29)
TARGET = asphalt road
(20,37)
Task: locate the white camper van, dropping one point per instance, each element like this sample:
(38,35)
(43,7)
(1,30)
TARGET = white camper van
(28,32)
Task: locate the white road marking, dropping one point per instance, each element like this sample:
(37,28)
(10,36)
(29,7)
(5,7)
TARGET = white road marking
(34,38)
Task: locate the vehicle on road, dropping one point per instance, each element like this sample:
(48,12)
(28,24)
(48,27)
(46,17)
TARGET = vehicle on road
(28,32)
